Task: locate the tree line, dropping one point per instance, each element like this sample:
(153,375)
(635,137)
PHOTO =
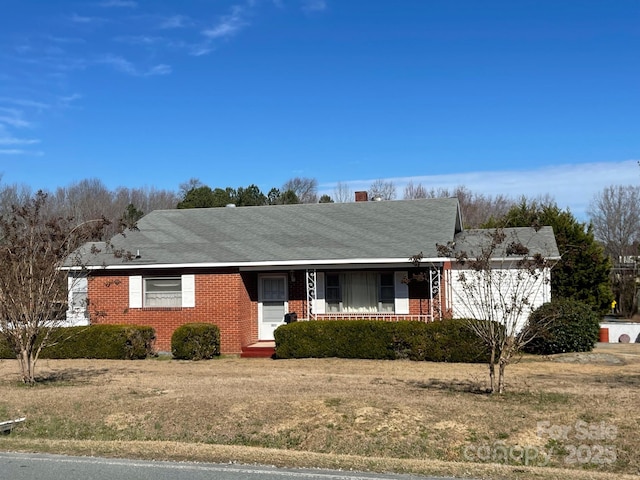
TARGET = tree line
(612,232)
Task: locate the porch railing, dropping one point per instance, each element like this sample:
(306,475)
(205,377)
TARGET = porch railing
(387,317)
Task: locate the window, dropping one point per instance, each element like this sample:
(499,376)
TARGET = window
(79,302)
(360,292)
(387,293)
(163,292)
(167,291)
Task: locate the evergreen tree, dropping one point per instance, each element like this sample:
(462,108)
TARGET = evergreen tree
(250,196)
(198,197)
(583,271)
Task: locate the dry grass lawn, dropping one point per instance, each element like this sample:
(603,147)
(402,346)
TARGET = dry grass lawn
(402,416)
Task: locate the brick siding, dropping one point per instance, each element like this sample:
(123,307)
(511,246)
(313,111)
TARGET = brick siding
(228,300)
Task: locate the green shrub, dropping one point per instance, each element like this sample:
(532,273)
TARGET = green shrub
(5,350)
(195,341)
(453,341)
(563,325)
(410,340)
(339,338)
(116,342)
(442,341)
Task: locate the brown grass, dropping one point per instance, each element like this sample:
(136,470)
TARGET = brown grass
(374,415)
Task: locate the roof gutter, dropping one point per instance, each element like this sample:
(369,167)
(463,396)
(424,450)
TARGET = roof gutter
(262,265)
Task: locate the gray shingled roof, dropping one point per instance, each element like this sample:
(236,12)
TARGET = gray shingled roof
(541,241)
(291,233)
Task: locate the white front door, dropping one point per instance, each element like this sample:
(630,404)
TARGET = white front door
(272,295)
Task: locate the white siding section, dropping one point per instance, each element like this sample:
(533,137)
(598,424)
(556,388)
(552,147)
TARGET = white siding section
(319,306)
(506,283)
(617,329)
(135,291)
(402,293)
(188,291)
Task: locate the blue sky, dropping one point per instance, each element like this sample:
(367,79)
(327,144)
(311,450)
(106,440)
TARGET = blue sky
(515,97)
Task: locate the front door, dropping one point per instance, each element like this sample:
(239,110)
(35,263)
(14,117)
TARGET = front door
(272,294)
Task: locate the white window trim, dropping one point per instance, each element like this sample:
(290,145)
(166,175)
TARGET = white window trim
(188,291)
(77,314)
(136,292)
(320,305)
(401,293)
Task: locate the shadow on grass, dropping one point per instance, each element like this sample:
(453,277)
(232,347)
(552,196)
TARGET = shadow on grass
(70,375)
(458,386)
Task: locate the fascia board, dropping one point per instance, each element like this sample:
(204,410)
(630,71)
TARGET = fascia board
(261,265)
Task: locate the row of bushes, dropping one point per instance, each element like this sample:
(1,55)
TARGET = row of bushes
(196,341)
(448,341)
(118,342)
(561,326)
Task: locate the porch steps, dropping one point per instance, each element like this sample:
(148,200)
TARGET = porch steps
(263,349)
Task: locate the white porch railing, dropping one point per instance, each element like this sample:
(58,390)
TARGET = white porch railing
(433,307)
(387,317)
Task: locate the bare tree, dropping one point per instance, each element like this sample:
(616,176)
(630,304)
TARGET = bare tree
(382,189)
(306,189)
(615,215)
(342,193)
(412,191)
(477,209)
(12,195)
(495,289)
(186,187)
(33,289)
(90,199)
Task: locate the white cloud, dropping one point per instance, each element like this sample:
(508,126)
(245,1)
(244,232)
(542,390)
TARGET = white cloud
(202,49)
(139,39)
(314,5)
(118,4)
(123,65)
(65,40)
(19,151)
(175,21)
(70,98)
(120,64)
(572,186)
(228,25)
(18,141)
(82,19)
(161,69)
(21,102)
(14,121)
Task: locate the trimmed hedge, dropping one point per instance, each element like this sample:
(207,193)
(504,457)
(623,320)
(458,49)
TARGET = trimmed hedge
(563,325)
(442,341)
(195,341)
(115,342)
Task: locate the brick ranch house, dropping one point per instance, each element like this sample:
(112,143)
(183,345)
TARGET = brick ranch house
(245,268)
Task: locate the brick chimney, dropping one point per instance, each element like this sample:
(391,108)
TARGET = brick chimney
(362,197)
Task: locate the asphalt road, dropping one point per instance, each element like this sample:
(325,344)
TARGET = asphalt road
(28,466)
